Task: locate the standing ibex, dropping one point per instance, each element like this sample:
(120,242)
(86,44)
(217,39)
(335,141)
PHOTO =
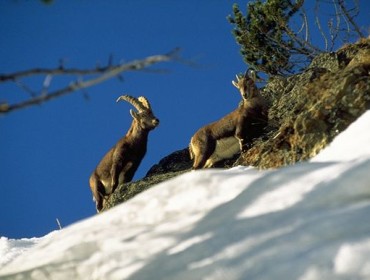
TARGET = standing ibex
(231,134)
(121,162)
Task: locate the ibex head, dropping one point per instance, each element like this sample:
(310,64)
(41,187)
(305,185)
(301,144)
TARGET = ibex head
(144,115)
(246,84)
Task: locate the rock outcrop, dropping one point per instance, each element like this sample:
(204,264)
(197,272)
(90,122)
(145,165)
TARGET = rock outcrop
(307,110)
(310,108)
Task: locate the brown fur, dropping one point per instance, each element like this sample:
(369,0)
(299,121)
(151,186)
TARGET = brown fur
(243,124)
(121,162)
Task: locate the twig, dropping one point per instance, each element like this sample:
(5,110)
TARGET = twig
(53,71)
(24,87)
(350,18)
(319,25)
(105,74)
(334,32)
(59,225)
(46,84)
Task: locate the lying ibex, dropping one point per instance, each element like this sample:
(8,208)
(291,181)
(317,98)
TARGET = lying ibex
(121,162)
(225,138)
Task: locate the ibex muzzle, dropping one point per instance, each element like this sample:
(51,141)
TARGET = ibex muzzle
(119,165)
(226,137)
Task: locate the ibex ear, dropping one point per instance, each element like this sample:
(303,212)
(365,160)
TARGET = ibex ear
(253,75)
(235,84)
(133,114)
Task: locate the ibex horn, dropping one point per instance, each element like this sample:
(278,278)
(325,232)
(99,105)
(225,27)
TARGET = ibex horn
(134,101)
(144,102)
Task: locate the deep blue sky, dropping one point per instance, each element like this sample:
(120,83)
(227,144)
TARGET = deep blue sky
(48,152)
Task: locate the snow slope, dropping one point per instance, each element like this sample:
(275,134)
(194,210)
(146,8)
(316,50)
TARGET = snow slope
(307,221)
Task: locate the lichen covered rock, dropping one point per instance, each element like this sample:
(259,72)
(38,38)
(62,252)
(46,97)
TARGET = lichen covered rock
(310,108)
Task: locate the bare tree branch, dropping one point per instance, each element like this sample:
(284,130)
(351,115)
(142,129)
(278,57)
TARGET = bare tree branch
(103,74)
(350,18)
(334,31)
(317,21)
(305,25)
(24,87)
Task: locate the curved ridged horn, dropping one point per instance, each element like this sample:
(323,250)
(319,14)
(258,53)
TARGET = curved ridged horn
(133,101)
(144,102)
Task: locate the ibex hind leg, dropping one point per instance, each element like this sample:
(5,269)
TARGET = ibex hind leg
(202,152)
(199,162)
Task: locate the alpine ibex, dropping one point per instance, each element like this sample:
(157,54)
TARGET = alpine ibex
(226,137)
(121,162)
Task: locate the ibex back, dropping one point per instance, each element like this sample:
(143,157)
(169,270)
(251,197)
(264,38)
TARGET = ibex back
(121,162)
(231,134)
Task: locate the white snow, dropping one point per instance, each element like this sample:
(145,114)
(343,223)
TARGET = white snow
(307,221)
(353,143)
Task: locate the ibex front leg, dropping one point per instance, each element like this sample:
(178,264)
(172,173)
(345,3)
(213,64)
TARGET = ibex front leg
(241,134)
(98,190)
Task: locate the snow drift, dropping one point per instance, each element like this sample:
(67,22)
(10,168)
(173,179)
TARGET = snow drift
(307,221)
